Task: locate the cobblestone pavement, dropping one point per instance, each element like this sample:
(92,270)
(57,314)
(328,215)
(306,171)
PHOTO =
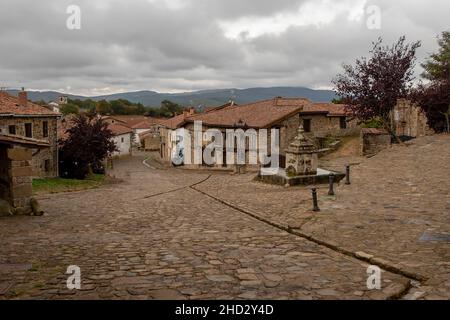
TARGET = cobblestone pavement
(154,237)
(396,212)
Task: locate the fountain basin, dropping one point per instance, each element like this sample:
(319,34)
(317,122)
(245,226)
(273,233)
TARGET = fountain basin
(279,177)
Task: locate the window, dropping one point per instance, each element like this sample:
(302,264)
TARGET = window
(307,125)
(12,129)
(45,129)
(28,130)
(123,140)
(342,123)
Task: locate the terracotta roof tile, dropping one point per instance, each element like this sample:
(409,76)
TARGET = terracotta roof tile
(174,122)
(212,109)
(260,114)
(330,108)
(119,129)
(9,105)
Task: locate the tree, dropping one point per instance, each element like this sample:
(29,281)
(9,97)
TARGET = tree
(437,67)
(434,97)
(338,101)
(104,107)
(171,107)
(88,143)
(372,86)
(118,107)
(434,100)
(69,108)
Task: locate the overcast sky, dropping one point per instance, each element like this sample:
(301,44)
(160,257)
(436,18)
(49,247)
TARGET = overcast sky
(184,45)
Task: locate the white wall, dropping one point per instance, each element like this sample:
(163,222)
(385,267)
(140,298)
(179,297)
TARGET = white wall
(136,135)
(123,143)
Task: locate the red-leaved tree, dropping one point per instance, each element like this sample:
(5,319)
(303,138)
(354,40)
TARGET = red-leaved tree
(373,85)
(88,142)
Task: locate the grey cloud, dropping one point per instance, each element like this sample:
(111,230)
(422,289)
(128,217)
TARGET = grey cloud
(133,45)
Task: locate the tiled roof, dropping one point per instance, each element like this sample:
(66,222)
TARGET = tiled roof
(135,122)
(119,129)
(9,105)
(329,108)
(174,122)
(211,109)
(147,123)
(23,141)
(260,114)
(146,133)
(66,123)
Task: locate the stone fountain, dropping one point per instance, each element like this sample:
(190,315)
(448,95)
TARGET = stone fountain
(301,165)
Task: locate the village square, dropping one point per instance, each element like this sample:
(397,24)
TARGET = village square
(268,191)
(155,231)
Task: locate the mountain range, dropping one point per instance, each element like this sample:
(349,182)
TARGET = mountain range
(196,98)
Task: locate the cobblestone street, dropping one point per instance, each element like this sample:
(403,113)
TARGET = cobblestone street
(177,234)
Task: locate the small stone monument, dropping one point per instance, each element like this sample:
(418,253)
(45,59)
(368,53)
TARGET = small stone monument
(301,156)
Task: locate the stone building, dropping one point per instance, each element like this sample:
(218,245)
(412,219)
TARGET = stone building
(20,117)
(277,113)
(16,172)
(286,114)
(328,119)
(409,120)
(139,124)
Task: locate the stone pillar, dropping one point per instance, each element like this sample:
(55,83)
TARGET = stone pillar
(20,173)
(301,156)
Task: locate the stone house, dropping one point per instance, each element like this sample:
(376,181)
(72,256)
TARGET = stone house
(20,117)
(150,140)
(167,127)
(328,119)
(286,114)
(277,113)
(16,172)
(139,124)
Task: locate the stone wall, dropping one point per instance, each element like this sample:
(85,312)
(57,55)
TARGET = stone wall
(4,177)
(16,178)
(152,142)
(45,162)
(373,141)
(409,120)
(323,125)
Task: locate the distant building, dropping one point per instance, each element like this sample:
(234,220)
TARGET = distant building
(122,138)
(62,100)
(138,124)
(20,117)
(122,135)
(53,106)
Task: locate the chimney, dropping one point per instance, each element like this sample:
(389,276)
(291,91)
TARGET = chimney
(191,111)
(23,98)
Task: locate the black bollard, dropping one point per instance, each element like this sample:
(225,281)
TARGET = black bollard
(315,204)
(331,180)
(347,174)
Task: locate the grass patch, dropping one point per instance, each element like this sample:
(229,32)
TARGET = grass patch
(56,185)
